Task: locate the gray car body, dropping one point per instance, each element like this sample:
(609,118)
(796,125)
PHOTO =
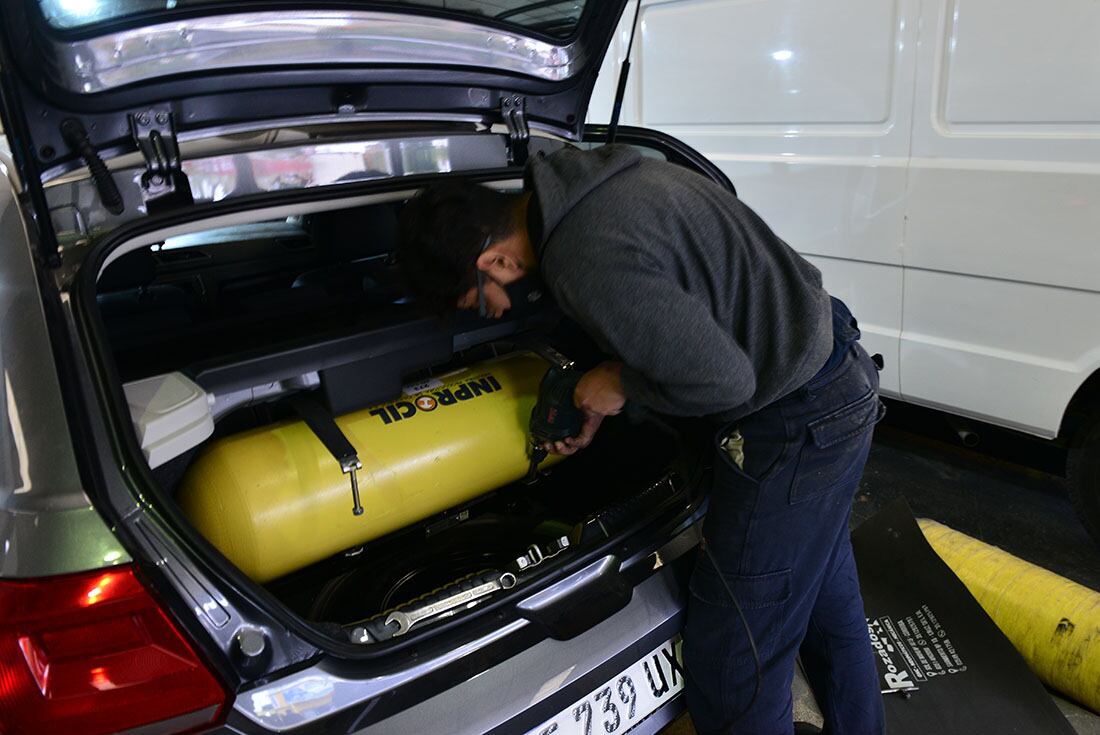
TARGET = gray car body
(60,448)
(48,525)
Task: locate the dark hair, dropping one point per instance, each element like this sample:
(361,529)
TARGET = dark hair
(442,230)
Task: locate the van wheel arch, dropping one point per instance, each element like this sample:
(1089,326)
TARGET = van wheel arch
(1081,410)
(1083,476)
(1080,431)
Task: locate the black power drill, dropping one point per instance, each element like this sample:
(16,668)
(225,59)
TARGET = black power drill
(554,417)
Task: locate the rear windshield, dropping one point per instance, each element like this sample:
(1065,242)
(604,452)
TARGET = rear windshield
(558,19)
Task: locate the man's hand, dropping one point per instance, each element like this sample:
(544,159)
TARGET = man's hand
(599,394)
(600,390)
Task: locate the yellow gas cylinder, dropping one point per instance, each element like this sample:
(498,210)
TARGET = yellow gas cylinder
(273,499)
(1053,622)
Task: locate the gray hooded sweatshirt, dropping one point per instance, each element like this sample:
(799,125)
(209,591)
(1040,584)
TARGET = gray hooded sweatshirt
(709,311)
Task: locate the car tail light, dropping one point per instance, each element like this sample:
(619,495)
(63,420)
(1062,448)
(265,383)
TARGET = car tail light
(94,653)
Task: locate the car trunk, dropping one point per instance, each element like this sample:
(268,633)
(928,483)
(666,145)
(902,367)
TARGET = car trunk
(259,315)
(210,191)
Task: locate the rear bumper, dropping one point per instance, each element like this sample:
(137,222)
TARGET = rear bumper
(512,696)
(527,689)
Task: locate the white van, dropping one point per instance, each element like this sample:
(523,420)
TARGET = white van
(939,161)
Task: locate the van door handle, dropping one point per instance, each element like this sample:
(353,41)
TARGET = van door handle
(567,608)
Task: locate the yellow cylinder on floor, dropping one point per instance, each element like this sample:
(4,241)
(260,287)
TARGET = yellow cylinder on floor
(273,499)
(1053,622)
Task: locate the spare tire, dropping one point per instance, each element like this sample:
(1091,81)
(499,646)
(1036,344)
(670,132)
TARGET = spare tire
(413,570)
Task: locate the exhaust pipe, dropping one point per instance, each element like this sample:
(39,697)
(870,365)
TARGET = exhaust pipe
(966,431)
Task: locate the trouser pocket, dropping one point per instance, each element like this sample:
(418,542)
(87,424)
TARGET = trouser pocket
(835,448)
(752,591)
(762,598)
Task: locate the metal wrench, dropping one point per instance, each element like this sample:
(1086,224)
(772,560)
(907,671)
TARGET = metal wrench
(406,620)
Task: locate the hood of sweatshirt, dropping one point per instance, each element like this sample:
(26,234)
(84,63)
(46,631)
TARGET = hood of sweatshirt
(562,179)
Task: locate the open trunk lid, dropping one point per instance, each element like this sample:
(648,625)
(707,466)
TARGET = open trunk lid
(106,104)
(200,68)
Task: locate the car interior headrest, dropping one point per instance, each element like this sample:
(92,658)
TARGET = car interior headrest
(358,232)
(132,270)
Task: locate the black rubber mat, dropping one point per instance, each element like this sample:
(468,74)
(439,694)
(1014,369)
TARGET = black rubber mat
(947,668)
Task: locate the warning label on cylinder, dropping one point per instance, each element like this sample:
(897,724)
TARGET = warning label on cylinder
(413,388)
(913,649)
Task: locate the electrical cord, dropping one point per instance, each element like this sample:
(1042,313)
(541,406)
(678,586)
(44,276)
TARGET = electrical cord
(728,726)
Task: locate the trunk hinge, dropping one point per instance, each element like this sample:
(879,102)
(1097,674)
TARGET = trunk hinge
(164,185)
(513,109)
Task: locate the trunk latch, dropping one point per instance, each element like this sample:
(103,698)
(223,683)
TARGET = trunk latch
(164,185)
(536,554)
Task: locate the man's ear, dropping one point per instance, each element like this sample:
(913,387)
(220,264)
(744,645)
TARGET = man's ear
(487,260)
(499,263)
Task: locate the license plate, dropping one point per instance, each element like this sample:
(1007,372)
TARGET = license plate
(624,700)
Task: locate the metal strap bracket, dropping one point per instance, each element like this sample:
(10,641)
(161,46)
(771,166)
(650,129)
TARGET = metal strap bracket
(552,356)
(324,427)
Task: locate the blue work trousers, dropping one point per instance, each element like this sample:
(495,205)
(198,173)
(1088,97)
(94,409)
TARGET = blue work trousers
(778,530)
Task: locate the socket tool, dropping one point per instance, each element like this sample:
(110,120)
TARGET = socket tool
(555,417)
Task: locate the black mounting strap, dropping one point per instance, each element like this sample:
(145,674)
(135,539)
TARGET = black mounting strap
(164,184)
(513,110)
(324,427)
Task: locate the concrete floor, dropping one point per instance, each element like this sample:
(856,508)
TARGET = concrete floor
(985,493)
(1020,508)
(1083,721)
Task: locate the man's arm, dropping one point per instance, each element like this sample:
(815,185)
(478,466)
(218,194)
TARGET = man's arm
(677,358)
(599,394)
